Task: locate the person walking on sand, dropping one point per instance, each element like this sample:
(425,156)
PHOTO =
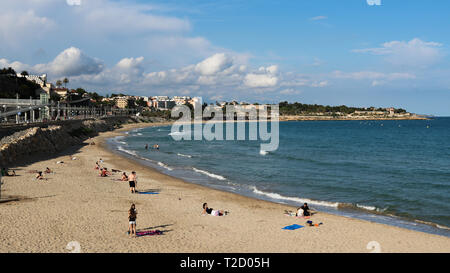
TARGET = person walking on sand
(132,180)
(132,215)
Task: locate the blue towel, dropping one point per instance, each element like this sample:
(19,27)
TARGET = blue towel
(292,227)
(148,192)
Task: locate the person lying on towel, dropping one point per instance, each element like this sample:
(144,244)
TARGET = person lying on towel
(213,212)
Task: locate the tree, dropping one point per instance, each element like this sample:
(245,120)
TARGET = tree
(55,97)
(65,81)
(80,91)
(58,83)
(24,73)
(25,91)
(141,102)
(8,71)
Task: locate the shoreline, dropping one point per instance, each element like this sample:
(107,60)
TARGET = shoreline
(353,211)
(253,225)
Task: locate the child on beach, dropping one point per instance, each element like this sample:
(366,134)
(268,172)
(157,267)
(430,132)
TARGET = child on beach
(213,212)
(132,215)
(48,170)
(132,180)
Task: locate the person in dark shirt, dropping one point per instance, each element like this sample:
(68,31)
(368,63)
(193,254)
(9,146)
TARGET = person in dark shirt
(132,215)
(213,212)
(305,209)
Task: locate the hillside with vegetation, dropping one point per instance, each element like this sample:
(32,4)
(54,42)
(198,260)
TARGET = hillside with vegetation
(296,108)
(10,85)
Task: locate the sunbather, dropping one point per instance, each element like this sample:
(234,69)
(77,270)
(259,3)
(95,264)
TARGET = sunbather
(213,212)
(39,176)
(105,172)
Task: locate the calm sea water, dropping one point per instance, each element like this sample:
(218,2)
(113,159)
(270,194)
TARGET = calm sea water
(394,172)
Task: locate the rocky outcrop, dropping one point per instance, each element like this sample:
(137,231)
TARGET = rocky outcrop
(37,140)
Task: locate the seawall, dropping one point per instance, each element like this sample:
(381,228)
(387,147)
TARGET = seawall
(19,142)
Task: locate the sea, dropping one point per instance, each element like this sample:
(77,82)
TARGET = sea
(395,172)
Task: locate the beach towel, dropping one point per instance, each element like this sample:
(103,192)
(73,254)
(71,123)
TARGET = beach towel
(293,227)
(148,233)
(293,215)
(147,192)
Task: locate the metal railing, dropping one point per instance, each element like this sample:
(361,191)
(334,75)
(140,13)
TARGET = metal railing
(9,102)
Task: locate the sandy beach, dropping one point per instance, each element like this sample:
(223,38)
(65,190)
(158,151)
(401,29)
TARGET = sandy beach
(75,204)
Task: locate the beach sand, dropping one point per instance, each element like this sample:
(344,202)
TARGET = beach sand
(76,205)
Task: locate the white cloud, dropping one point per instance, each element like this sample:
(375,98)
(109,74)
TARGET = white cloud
(72,62)
(212,65)
(73,2)
(69,63)
(415,53)
(103,16)
(260,80)
(290,91)
(372,75)
(321,17)
(17,66)
(23,26)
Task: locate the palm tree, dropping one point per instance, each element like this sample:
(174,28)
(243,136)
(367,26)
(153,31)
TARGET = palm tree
(65,81)
(58,83)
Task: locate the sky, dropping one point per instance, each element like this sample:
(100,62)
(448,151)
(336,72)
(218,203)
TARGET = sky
(361,53)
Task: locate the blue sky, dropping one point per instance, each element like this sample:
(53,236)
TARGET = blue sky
(322,51)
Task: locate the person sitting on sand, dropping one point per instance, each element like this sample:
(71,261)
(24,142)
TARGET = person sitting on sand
(105,172)
(303,210)
(124,177)
(132,215)
(97,167)
(213,212)
(39,176)
(48,170)
(132,180)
